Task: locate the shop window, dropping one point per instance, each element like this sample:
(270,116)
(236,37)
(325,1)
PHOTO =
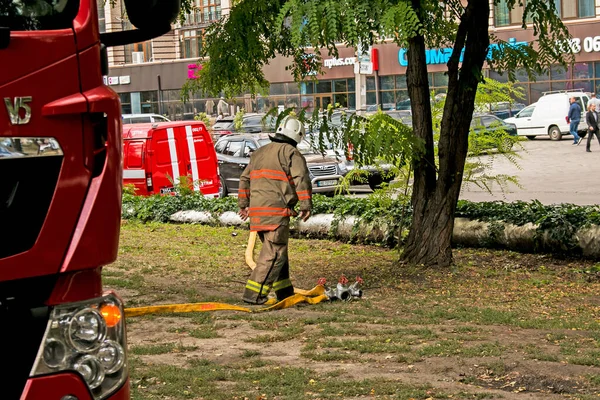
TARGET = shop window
(559,85)
(386,82)
(371,98)
(292,102)
(277,89)
(324,87)
(370,83)
(292,88)
(340,85)
(351,85)
(586,86)
(388,102)
(351,101)
(440,79)
(307,87)
(526,97)
(498,76)
(341,99)
(537,90)
(401,82)
(583,71)
(558,72)
(402,100)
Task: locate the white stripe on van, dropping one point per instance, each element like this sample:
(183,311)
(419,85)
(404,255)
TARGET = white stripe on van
(134,174)
(173,151)
(192,150)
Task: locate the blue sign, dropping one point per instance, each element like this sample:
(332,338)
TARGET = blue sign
(441,56)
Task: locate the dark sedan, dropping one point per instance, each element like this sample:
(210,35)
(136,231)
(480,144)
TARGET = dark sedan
(234,151)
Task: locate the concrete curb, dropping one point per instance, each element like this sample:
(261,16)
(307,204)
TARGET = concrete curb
(466,232)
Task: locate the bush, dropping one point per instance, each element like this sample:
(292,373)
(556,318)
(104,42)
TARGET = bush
(561,222)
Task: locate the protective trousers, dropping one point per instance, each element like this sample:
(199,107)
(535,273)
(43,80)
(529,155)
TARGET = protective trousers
(272,270)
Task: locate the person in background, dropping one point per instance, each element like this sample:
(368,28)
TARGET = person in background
(574,118)
(591,118)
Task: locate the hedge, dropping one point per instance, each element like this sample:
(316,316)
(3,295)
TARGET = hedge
(560,223)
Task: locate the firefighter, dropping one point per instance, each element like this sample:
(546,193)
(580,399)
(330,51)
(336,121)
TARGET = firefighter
(274,181)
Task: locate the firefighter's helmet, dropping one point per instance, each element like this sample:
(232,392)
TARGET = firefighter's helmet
(292,128)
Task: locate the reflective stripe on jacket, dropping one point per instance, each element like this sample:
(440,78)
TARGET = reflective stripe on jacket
(274,181)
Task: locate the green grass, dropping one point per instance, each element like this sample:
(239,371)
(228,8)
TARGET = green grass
(495,313)
(149,350)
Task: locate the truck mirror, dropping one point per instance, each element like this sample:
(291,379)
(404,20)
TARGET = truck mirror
(146,14)
(152,18)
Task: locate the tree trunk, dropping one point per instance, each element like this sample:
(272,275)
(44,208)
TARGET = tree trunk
(434,201)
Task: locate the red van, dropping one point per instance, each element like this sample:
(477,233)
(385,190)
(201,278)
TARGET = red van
(156,154)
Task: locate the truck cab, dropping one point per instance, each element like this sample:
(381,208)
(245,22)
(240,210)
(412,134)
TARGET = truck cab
(60,198)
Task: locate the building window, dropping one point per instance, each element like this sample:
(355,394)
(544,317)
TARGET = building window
(138,52)
(567,9)
(204,11)
(101,17)
(191,46)
(503,16)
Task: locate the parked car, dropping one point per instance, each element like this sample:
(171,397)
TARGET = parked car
(143,118)
(251,123)
(488,124)
(549,116)
(234,151)
(154,155)
(377,174)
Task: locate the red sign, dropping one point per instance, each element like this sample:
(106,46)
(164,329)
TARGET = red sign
(193,69)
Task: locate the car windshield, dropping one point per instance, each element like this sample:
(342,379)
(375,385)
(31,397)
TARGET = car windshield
(223,124)
(31,15)
(263,142)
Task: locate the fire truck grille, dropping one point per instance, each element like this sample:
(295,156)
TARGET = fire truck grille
(323,170)
(24,318)
(27,185)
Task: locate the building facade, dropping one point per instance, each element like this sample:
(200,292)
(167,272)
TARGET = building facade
(153,80)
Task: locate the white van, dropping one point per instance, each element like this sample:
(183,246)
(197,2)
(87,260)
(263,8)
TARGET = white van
(143,119)
(549,115)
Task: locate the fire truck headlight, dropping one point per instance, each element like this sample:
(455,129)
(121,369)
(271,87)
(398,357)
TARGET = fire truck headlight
(87,338)
(91,370)
(86,330)
(112,356)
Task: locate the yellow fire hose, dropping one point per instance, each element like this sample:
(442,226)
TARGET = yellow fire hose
(312,296)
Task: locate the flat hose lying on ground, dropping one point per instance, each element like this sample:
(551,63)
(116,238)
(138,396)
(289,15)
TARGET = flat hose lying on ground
(312,296)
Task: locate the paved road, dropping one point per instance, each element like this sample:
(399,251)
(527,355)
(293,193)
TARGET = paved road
(551,172)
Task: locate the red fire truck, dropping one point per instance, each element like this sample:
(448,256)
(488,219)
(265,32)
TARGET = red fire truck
(60,198)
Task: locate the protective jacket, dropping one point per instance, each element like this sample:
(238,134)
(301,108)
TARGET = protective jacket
(272,184)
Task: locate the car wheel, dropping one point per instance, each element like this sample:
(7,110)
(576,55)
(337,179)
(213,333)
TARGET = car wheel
(222,189)
(555,133)
(530,137)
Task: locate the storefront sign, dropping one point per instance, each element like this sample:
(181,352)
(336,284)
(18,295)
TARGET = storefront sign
(441,56)
(339,62)
(589,44)
(116,80)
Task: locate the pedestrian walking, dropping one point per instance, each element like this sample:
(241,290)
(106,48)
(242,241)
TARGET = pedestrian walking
(272,184)
(574,118)
(591,118)
(595,100)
